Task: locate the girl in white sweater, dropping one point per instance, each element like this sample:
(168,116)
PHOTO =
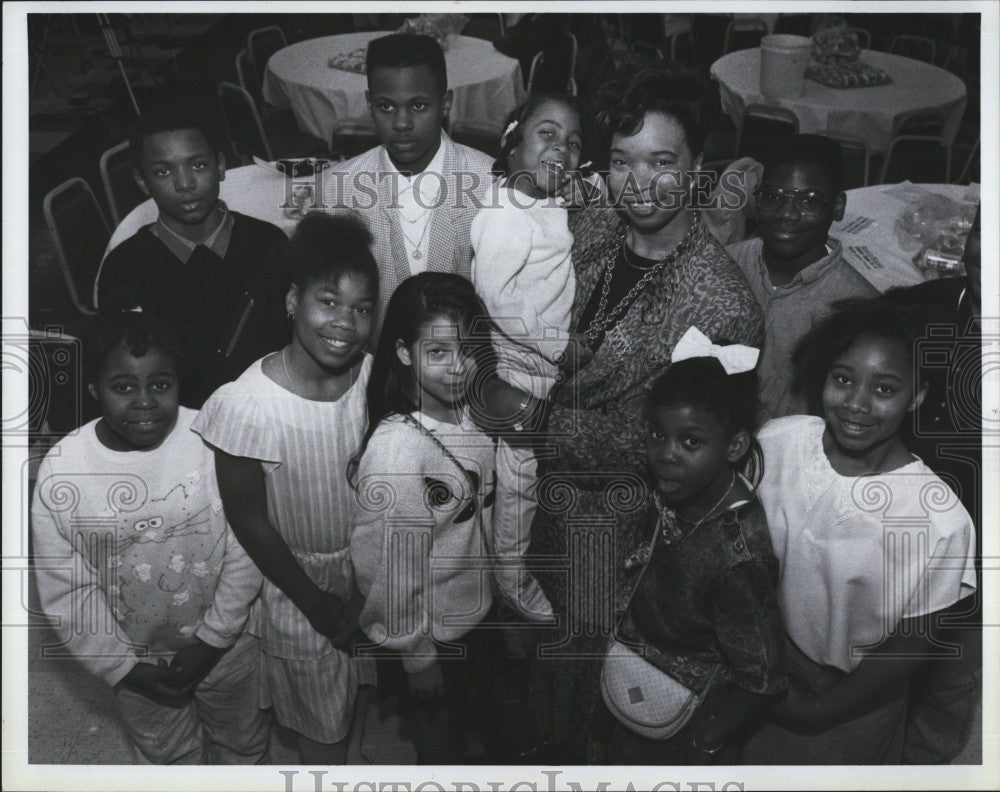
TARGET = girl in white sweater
(521,268)
(425,487)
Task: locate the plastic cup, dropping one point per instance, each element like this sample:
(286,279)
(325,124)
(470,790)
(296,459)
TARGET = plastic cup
(783,61)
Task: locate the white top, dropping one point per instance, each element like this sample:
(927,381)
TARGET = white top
(304,447)
(414,212)
(420,535)
(137,540)
(857,555)
(523,270)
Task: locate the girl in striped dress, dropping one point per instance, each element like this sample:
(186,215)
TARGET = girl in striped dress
(283,434)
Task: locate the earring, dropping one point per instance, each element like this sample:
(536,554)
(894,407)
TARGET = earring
(291,317)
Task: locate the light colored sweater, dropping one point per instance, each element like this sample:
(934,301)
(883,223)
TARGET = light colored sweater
(420,535)
(522,269)
(133,552)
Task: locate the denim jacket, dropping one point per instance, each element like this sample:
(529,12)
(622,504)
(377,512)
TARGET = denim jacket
(707,599)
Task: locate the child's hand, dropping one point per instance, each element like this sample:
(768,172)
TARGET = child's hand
(798,709)
(192,663)
(157,683)
(427,684)
(331,616)
(576,355)
(576,191)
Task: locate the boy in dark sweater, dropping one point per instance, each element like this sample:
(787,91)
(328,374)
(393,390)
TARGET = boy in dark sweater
(212,273)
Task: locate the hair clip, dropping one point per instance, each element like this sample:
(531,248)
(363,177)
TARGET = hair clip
(735,358)
(510,128)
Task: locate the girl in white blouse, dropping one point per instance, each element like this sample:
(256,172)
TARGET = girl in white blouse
(873,546)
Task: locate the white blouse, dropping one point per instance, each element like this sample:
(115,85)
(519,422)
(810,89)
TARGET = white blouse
(858,554)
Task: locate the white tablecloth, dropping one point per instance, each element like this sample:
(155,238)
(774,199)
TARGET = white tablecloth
(874,249)
(253,190)
(487,84)
(868,114)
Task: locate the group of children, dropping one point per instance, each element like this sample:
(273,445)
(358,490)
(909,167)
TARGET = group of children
(333,517)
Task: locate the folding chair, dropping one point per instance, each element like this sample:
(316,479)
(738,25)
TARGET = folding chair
(250,137)
(262,43)
(538,63)
(857,160)
(246,76)
(485,139)
(794,24)
(970,170)
(80,234)
(120,187)
(864,37)
(762,129)
(743,33)
(485,26)
(917,158)
(917,47)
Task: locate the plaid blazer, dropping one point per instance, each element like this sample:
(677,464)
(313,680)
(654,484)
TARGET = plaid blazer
(449,248)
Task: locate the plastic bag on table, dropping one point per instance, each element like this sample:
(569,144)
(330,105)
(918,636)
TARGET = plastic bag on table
(933,227)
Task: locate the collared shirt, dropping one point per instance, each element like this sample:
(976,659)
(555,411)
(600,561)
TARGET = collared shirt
(217,241)
(415,214)
(790,311)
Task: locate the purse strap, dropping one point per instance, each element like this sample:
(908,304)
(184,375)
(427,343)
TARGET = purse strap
(467,474)
(444,449)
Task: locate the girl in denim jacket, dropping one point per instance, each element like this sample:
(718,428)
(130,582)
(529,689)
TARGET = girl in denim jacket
(705,609)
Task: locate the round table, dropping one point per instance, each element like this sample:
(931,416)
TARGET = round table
(868,232)
(868,114)
(487,84)
(254,190)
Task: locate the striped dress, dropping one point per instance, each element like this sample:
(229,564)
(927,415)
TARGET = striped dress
(304,447)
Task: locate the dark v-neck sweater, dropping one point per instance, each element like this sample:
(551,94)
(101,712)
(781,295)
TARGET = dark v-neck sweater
(206,298)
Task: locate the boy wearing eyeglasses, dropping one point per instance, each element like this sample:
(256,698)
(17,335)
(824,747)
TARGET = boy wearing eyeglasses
(795,270)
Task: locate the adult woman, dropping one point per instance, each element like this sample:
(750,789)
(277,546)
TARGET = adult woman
(647,269)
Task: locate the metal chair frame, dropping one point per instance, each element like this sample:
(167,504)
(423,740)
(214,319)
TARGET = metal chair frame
(244,96)
(742,25)
(60,244)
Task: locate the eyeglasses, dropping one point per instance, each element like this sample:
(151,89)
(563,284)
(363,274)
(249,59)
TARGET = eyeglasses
(808,202)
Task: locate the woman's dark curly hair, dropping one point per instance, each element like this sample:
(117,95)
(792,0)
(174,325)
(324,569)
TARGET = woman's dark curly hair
(622,103)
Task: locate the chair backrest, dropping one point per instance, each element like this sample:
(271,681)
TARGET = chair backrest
(743,33)
(120,187)
(864,37)
(262,43)
(246,75)
(353,136)
(794,24)
(243,125)
(536,64)
(762,130)
(485,26)
(681,47)
(919,47)
(970,169)
(920,122)
(80,234)
(922,159)
(857,161)
(484,138)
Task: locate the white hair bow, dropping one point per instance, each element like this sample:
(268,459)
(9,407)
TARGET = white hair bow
(735,358)
(510,128)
